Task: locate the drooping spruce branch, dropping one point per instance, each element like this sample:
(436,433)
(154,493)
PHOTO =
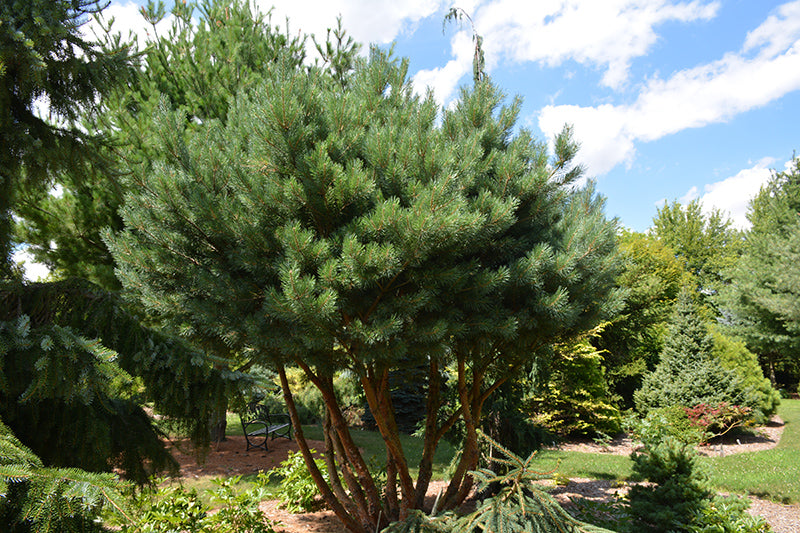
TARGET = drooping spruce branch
(37,499)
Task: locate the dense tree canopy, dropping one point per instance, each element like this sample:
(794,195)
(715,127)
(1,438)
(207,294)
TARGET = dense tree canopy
(331,224)
(45,62)
(198,67)
(763,297)
(706,243)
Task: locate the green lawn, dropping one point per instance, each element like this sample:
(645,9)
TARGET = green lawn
(773,474)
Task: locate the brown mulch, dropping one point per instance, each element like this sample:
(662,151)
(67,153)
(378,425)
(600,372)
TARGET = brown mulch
(229,458)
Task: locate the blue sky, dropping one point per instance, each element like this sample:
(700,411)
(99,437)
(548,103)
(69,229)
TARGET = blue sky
(670,100)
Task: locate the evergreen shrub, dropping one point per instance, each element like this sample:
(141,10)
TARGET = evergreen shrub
(759,394)
(574,400)
(677,490)
(687,373)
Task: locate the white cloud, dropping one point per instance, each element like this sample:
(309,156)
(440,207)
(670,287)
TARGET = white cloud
(367,21)
(444,80)
(691,98)
(607,34)
(733,194)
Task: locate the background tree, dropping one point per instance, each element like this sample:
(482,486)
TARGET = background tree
(763,296)
(687,373)
(199,66)
(56,339)
(708,244)
(652,278)
(330,224)
(45,62)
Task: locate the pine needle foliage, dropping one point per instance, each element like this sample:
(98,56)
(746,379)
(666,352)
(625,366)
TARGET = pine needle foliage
(688,374)
(36,499)
(336,223)
(44,56)
(516,506)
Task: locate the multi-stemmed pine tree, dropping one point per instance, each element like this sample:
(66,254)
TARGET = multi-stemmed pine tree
(338,221)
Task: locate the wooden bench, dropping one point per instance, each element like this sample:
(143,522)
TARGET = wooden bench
(259,424)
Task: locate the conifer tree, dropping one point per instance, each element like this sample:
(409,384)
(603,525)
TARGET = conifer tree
(331,224)
(45,59)
(687,373)
(763,298)
(199,66)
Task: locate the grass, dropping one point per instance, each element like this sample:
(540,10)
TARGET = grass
(773,474)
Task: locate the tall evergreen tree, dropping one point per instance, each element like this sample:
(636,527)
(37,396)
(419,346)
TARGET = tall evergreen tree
(330,223)
(763,297)
(199,66)
(687,373)
(65,347)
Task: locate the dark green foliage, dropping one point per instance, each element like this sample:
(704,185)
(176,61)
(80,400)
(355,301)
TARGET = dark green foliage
(574,398)
(331,224)
(52,377)
(408,385)
(37,499)
(679,487)
(44,56)
(763,298)
(687,373)
(213,50)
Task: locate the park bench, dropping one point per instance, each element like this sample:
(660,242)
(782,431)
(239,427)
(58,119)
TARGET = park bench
(259,425)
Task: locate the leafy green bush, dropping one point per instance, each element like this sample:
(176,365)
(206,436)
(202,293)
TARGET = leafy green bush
(727,514)
(759,394)
(297,487)
(658,424)
(176,510)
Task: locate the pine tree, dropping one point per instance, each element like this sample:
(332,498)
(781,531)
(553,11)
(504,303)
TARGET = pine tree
(330,223)
(199,66)
(687,373)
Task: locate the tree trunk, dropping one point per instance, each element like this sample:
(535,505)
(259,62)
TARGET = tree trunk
(341,513)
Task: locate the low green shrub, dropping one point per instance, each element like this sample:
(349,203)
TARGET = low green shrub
(297,490)
(676,491)
(173,509)
(658,424)
(727,514)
